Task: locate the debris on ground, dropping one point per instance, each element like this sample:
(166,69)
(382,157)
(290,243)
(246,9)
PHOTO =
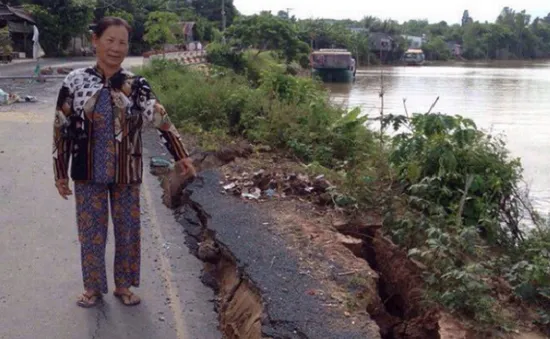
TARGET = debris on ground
(11,98)
(262,185)
(59,70)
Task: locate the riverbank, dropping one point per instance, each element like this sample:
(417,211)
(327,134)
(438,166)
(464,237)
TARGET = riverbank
(440,204)
(508,101)
(516,63)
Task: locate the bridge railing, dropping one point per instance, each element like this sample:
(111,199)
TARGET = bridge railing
(183,57)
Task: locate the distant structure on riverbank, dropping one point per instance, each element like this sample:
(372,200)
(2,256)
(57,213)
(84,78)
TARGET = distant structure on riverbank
(415,42)
(333,65)
(20,25)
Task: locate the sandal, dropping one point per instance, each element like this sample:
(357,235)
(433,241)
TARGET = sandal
(88,301)
(128,298)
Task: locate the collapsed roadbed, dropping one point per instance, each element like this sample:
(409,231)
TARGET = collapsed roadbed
(262,291)
(279,274)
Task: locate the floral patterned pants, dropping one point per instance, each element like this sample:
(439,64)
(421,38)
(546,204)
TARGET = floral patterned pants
(92,219)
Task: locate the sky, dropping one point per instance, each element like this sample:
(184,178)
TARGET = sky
(400,10)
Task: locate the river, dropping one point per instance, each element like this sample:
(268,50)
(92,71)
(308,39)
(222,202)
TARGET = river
(512,98)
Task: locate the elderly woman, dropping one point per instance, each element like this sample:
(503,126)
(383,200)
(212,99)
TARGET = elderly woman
(98,121)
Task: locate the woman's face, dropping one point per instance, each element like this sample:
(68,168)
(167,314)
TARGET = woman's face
(112,46)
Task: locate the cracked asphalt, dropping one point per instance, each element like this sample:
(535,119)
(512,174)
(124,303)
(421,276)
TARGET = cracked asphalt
(40,276)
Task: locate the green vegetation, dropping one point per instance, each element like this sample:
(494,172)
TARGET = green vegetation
(162,28)
(5,42)
(450,193)
(513,34)
(60,21)
(267,32)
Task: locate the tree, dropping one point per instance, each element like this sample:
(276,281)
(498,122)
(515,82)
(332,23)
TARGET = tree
(283,15)
(5,41)
(267,32)
(59,21)
(211,10)
(454,33)
(359,46)
(371,23)
(436,49)
(161,28)
(129,17)
(206,30)
(473,46)
(439,29)
(466,19)
(416,27)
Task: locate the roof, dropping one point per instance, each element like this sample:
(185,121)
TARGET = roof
(15,12)
(412,50)
(332,51)
(381,35)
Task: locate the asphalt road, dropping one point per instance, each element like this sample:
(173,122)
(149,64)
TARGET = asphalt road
(26,67)
(39,253)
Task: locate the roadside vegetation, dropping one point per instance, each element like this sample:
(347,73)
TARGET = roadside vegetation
(450,194)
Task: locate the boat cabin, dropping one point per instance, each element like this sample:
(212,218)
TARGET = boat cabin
(414,57)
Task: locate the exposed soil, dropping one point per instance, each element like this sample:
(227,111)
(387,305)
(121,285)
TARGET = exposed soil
(383,281)
(364,275)
(239,305)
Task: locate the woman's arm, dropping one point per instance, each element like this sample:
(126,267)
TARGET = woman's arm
(61,145)
(154,112)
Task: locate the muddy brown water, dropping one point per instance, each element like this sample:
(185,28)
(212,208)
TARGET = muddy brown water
(512,98)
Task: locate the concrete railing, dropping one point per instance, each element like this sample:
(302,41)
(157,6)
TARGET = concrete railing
(183,57)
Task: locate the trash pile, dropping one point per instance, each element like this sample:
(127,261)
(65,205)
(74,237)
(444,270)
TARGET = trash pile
(11,98)
(262,185)
(60,70)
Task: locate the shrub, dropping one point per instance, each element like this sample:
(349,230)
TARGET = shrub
(285,111)
(224,56)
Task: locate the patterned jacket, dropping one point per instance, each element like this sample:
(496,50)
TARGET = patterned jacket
(133,103)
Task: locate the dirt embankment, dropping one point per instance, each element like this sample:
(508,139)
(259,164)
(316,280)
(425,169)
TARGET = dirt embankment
(363,275)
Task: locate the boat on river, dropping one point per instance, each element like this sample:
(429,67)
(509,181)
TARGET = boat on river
(333,65)
(414,57)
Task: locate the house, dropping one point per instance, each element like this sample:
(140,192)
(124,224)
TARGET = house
(415,42)
(380,42)
(20,25)
(454,48)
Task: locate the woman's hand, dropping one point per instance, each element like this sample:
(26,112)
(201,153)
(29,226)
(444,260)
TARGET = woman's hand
(63,188)
(186,167)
